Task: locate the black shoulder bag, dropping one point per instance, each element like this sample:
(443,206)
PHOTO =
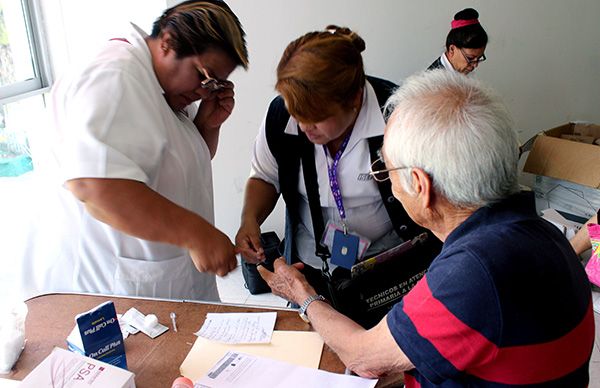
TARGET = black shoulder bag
(376,284)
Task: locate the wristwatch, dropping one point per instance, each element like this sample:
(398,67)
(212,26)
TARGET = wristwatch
(305,305)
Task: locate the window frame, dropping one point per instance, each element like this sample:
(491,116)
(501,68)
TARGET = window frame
(42,79)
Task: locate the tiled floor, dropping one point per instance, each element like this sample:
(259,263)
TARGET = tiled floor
(233,290)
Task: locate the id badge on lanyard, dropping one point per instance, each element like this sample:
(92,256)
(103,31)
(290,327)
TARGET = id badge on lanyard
(345,246)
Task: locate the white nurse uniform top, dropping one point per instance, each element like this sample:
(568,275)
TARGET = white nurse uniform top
(112,121)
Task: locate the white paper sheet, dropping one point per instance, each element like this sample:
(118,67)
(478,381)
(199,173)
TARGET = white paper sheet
(239,370)
(238,328)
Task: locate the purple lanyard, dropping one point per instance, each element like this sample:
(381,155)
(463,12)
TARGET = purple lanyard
(333,179)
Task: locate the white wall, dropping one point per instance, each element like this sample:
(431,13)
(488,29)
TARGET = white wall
(543,58)
(76,29)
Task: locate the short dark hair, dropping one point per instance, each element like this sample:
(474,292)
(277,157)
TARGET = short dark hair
(471,36)
(196,26)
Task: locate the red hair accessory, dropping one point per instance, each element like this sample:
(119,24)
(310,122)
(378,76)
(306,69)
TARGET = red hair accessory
(464,23)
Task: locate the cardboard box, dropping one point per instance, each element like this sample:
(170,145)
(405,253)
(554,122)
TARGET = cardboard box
(567,172)
(572,161)
(67,369)
(573,201)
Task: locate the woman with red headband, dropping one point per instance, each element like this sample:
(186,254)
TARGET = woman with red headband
(465,44)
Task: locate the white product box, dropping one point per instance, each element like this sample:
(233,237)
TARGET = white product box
(67,369)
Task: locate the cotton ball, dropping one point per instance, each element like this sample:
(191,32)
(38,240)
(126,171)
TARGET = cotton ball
(150,320)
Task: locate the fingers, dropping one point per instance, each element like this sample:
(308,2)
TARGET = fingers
(225,92)
(299,266)
(227,104)
(279,263)
(250,249)
(220,268)
(228,264)
(226,85)
(248,253)
(223,271)
(256,244)
(251,256)
(265,274)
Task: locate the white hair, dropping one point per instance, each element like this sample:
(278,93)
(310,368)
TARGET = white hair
(457,131)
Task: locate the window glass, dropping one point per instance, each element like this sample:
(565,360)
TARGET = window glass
(21,122)
(16,61)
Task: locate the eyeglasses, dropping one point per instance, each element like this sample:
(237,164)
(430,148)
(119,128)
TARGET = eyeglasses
(378,170)
(209,83)
(471,61)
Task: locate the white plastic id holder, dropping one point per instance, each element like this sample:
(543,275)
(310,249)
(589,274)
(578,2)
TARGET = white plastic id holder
(329,236)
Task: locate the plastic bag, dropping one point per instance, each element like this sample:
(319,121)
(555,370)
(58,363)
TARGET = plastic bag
(12,334)
(592,267)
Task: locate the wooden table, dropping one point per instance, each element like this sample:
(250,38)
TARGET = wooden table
(155,362)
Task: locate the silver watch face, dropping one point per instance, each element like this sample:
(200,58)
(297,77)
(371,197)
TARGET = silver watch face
(304,317)
(305,305)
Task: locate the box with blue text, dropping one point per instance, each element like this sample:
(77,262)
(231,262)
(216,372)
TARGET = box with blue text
(97,335)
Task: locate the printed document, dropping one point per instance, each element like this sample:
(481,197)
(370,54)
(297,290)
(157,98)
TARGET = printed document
(238,370)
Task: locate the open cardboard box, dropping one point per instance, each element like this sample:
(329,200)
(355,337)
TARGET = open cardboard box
(564,159)
(567,172)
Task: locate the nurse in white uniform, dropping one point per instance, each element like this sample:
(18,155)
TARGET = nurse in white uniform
(131,162)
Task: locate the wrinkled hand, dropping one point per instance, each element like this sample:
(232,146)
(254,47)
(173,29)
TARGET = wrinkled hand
(214,253)
(287,281)
(217,107)
(247,242)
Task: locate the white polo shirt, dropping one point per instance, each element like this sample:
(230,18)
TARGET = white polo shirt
(111,121)
(446,63)
(365,212)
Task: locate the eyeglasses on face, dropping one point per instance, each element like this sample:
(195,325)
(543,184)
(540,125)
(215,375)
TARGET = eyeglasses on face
(378,170)
(472,61)
(209,83)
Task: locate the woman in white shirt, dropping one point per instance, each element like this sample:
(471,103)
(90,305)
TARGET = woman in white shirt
(131,162)
(465,44)
(321,136)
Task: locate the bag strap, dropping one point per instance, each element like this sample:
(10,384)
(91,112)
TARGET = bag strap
(309,170)
(403,224)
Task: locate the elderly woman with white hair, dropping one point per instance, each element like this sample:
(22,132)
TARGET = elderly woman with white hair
(506,302)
